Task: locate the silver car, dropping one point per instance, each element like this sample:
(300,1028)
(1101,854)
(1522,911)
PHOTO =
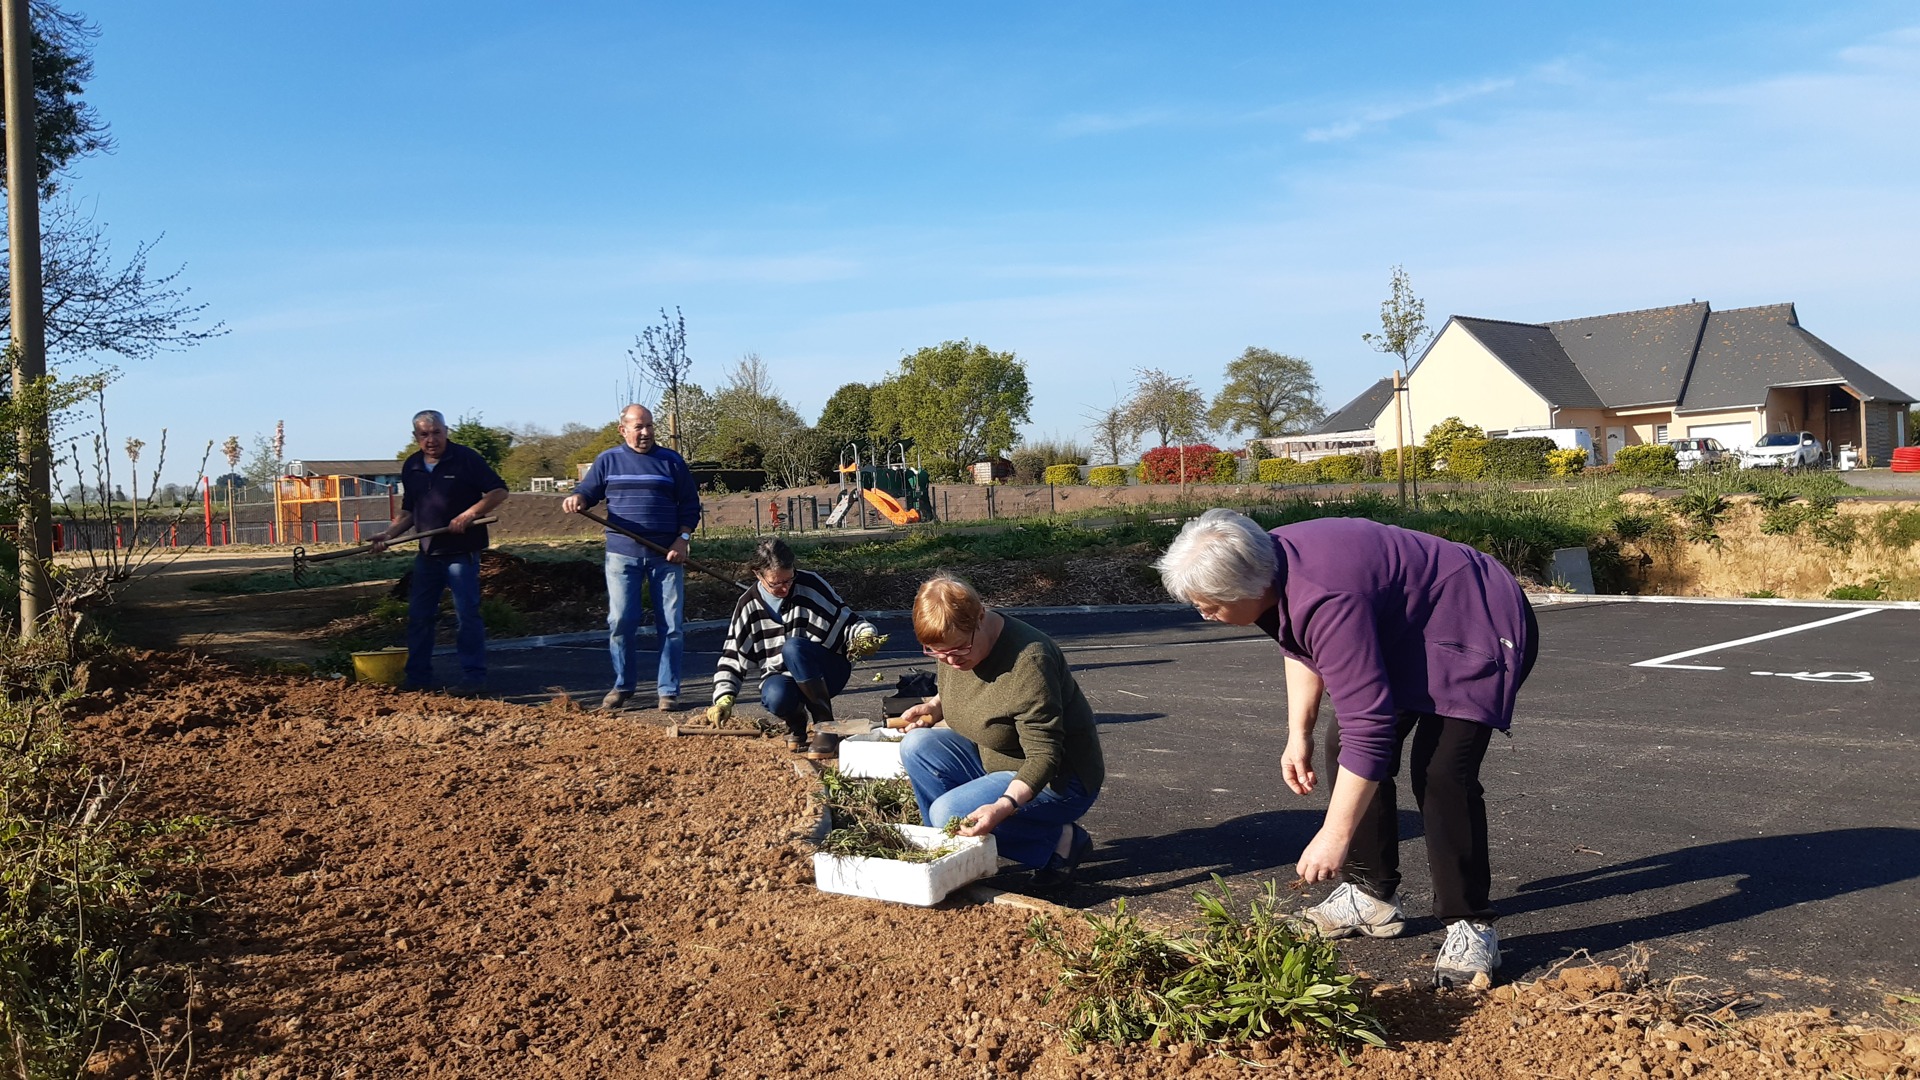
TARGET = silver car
(1699,453)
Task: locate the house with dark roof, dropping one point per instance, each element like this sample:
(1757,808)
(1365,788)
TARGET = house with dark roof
(358,476)
(1343,431)
(1651,376)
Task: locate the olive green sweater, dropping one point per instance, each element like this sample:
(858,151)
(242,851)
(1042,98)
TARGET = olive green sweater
(1022,708)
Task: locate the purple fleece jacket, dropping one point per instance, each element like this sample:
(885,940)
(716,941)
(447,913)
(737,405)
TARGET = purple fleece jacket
(1397,621)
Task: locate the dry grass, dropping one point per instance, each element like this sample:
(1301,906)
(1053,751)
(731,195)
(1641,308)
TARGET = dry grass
(1744,561)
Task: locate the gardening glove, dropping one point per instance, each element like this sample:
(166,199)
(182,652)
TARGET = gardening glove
(721,709)
(865,645)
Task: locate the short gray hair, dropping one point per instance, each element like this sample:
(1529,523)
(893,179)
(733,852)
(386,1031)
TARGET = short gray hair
(439,421)
(1220,555)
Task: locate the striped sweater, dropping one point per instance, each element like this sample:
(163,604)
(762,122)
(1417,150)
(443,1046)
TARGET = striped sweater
(757,633)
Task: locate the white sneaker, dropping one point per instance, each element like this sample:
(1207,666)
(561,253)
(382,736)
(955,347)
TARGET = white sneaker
(1349,911)
(1469,955)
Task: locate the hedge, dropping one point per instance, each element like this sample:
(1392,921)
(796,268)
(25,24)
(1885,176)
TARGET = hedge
(1646,459)
(1341,468)
(1161,465)
(1566,462)
(1467,458)
(1108,476)
(1062,475)
(1288,471)
(1225,467)
(1419,464)
(1523,458)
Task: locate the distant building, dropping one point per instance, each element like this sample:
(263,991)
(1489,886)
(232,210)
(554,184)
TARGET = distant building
(369,476)
(1640,377)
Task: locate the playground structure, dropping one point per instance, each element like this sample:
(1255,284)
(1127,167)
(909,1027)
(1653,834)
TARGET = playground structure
(300,505)
(897,492)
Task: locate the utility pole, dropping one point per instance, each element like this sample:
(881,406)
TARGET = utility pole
(29,346)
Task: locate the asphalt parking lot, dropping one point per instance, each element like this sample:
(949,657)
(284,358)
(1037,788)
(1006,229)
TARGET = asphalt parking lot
(1731,786)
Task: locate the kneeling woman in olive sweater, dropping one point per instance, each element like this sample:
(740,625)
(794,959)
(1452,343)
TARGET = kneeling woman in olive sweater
(1019,756)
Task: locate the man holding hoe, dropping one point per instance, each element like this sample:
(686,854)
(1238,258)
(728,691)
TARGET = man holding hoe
(445,486)
(650,492)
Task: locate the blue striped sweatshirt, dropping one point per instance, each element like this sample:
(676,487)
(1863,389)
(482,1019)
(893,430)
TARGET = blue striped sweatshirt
(652,493)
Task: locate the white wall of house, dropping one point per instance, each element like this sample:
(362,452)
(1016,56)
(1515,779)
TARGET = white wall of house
(1459,377)
(1735,428)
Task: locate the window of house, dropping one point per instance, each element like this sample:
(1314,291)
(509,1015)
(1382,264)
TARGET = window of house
(1659,433)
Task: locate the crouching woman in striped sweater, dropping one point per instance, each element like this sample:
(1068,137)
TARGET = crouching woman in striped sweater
(794,630)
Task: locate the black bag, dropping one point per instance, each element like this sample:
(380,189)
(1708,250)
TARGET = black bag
(913,688)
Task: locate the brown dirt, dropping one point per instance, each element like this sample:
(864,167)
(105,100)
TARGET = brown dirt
(412,885)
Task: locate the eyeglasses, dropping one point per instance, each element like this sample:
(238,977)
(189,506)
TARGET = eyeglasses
(949,654)
(777,583)
(434,434)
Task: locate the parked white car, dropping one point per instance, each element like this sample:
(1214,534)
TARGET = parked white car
(1700,453)
(1785,450)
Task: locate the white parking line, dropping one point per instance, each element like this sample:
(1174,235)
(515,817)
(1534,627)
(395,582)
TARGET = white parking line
(1667,661)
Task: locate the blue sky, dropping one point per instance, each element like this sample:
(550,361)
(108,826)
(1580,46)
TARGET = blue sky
(477,206)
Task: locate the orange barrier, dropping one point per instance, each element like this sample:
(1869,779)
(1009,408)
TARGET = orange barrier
(890,507)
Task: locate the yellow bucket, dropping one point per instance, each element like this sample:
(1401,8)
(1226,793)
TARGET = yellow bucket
(382,666)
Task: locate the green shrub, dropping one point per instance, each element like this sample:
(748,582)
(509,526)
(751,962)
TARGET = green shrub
(1441,436)
(1108,476)
(1258,450)
(1896,528)
(1466,458)
(1522,458)
(1027,466)
(1232,979)
(1566,462)
(1647,459)
(1702,511)
(1872,590)
(1341,468)
(1419,464)
(1225,467)
(1288,471)
(1061,475)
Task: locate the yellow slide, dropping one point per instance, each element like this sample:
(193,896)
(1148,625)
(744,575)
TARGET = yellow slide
(890,507)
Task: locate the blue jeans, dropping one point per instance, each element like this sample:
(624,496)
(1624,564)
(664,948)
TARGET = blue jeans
(433,575)
(803,659)
(626,575)
(949,782)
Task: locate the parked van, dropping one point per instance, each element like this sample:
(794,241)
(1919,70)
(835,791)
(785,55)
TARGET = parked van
(1566,438)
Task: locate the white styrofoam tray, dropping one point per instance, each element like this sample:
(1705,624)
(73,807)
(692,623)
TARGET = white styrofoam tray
(872,755)
(921,884)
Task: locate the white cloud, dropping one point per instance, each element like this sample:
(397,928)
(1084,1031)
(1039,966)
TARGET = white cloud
(1378,115)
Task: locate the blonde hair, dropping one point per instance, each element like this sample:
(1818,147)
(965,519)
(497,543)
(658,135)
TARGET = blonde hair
(946,610)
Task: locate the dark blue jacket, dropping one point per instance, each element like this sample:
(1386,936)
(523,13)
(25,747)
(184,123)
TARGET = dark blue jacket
(436,496)
(652,493)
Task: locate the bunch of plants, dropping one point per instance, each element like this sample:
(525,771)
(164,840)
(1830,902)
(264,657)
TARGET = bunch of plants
(1234,978)
(85,893)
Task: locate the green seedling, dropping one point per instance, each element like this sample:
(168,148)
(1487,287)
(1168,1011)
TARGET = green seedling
(1232,979)
(875,841)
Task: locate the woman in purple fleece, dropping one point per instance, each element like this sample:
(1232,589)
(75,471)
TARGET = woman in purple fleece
(1410,635)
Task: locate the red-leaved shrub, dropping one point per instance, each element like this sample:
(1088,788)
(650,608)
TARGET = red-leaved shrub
(1162,465)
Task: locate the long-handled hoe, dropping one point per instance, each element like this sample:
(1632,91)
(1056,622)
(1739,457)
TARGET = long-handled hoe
(678,730)
(301,559)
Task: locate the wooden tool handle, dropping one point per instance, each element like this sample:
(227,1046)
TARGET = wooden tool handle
(407,539)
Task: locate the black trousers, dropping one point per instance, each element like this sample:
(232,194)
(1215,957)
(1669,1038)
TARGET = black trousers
(1445,775)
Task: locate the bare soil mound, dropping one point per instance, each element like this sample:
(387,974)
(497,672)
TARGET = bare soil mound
(411,885)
